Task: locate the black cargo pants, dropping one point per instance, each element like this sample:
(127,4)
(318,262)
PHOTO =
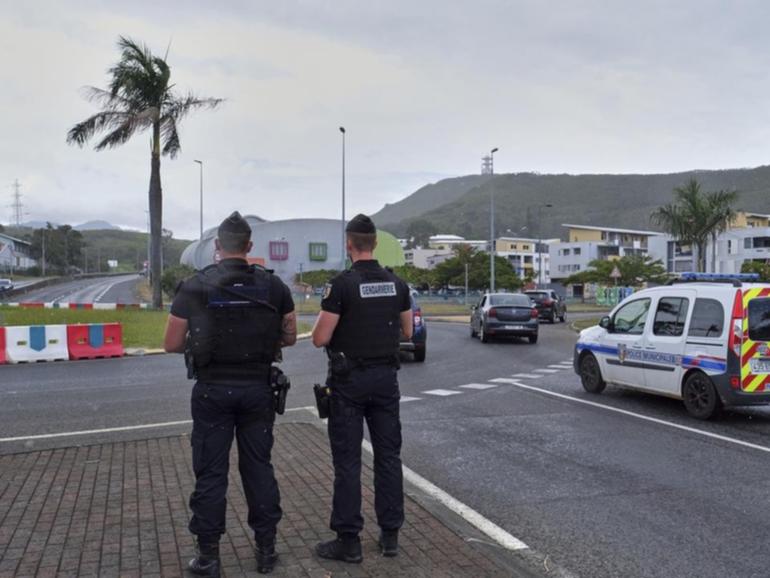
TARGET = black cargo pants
(371,394)
(220,412)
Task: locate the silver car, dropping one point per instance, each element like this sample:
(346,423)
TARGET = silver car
(504,314)
(5,285)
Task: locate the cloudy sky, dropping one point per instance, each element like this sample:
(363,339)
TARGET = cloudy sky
(424,88)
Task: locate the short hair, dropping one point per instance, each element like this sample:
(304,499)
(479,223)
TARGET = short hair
(363,241)
(234,242)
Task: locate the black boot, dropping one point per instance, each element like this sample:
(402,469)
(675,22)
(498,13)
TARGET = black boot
(389,543)
(206,563)
(266,556)
(343,548)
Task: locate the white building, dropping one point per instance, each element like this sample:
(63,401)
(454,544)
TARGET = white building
(15,254)
(526,255)
(588,243)
(448,242)
(426,258)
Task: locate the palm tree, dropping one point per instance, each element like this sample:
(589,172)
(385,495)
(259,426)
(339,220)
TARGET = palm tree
(140,97)
(695,217)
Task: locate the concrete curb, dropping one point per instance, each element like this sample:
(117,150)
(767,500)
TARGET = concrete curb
(141,352)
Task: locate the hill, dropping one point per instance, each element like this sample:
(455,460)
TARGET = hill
(610,200)
(95,226)
(429,197)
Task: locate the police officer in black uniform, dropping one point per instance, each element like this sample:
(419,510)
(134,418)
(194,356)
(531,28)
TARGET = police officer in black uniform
(364,311)
(231,319)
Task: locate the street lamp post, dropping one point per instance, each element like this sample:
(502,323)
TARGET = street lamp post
(540,245)
(201,197)
(492,224)
(344,260)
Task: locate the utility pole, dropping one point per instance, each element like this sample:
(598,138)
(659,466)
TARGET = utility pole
(201,227)
(466,284)
(344,256)
(492,224)
(42,234)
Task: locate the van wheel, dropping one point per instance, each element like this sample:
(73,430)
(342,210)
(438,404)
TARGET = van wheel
(483,334)
(700,396)
(591,374)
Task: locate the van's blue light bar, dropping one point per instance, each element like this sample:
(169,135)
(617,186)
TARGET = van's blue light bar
(720,276)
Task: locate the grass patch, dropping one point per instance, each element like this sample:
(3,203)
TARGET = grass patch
(587,308)
(141,327)
(580,324)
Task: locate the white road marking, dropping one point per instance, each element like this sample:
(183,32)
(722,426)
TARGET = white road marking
(405,398)
(478,386)
(560,366)
(504,380)
(442,392)
(470,515)
(528,375)
(118,429)
(547,370)
(656,420)
(96,431)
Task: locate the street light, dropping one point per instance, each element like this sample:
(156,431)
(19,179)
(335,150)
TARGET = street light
(344,260)
(201,179)
(492,224)
(540,244)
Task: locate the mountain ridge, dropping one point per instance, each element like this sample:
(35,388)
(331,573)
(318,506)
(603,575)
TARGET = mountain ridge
(613,200)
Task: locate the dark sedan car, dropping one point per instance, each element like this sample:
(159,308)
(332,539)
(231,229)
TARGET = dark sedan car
(419,342)
(549,305)
(504,314)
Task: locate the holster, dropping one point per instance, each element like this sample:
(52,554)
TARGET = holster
(280,385)
(323,398)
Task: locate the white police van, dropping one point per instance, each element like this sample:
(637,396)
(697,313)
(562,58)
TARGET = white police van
(703,338)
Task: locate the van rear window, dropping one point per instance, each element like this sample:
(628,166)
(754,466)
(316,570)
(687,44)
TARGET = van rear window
(759,319)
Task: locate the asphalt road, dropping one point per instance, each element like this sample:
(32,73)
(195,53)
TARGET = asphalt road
(117,289)
(602,493)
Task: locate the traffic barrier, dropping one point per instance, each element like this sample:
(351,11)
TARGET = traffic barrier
(95,340)
(2,345)
(25,343)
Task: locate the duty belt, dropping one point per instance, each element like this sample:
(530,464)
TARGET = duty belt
(233,374)
(372,361)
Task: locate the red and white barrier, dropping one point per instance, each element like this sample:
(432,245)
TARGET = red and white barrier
(95,340)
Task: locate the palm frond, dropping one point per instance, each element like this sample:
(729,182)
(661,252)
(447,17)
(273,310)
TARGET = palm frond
(170,135)
(178,108)
(107,100)
(83,131)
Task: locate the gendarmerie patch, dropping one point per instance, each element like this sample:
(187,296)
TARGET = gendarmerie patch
(384,289)
(327,290)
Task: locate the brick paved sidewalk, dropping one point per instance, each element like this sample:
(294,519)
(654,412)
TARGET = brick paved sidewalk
(120,509)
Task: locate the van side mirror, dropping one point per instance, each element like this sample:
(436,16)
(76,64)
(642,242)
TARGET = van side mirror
(606,323)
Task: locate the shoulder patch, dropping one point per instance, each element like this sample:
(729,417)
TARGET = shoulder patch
(382,289)
(327,290)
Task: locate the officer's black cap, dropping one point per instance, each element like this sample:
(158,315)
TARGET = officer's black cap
(235,224)
(361,224)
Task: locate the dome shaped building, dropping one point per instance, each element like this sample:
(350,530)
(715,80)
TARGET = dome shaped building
(293,245)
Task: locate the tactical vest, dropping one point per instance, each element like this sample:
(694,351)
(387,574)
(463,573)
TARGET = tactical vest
(235,338)
(370,326)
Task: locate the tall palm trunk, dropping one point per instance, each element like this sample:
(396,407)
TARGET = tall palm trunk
(156,218)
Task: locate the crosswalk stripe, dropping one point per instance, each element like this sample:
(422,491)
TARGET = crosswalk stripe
(478,386)
(405,398)
(547,370)
(442,392)
(527,375)
(504,380)
(557,366)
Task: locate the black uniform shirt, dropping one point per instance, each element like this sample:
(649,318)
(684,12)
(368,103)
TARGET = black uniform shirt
(190,297)
(334,299)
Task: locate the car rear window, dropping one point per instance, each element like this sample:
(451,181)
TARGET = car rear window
(759,319)
(513,300)
(708,319)
(538,296)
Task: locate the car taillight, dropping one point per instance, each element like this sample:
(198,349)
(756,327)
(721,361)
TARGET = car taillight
(547,302)
(417,317)
(735,339)
(533,313)
(492,312)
